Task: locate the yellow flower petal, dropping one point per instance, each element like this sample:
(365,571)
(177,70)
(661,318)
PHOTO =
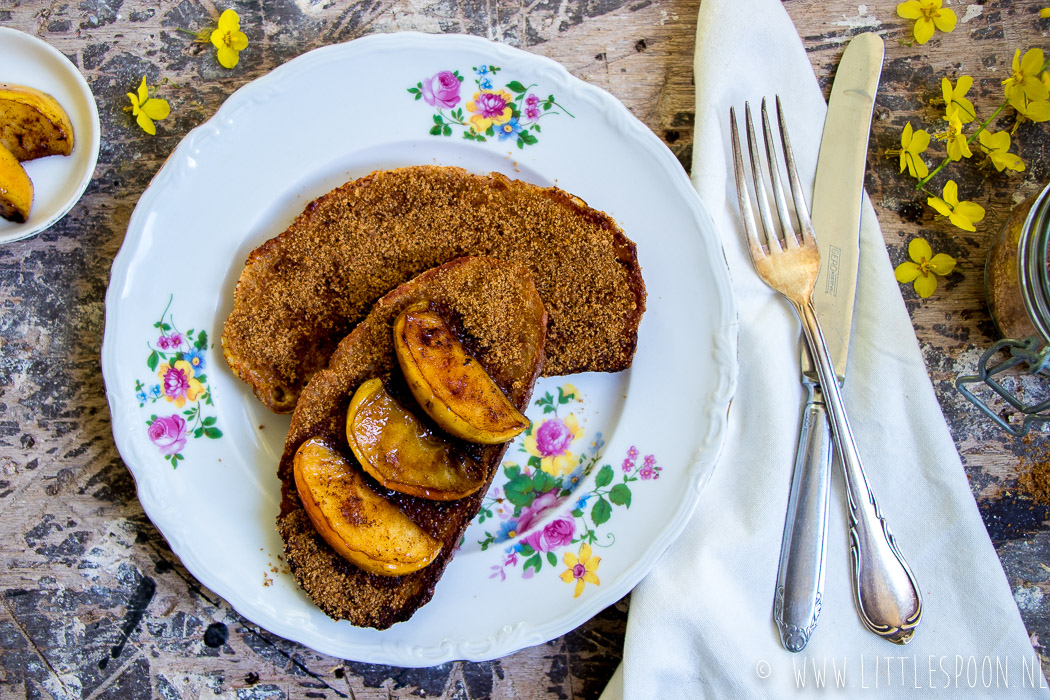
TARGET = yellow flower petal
(567,576)
(585,553)
(963,85)
(925,285)
(591,578)
(134,102)
(962,222)
(906,272)
(999,141)
(592,565)
(157,108)
(146,123)
(238,41)
(1032,61)
(923,30)
(229,21)
(971,211)
(227,57)
(1045,12)
(579,588)
(143,91)
(945,20)
(919,250)
(950,194)
(1038,111)
(909,10)
(570,560)
(218,38)
(940,205)
(942,263)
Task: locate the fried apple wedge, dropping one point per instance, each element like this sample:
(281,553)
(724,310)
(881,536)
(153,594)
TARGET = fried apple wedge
(449,384)
(33,123)
(358,523)
(402,453)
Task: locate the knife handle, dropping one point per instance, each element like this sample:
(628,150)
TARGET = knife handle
(800,579)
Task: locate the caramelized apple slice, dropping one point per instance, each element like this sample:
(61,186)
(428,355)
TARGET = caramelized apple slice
(449,384)
(401,453)
(362,526)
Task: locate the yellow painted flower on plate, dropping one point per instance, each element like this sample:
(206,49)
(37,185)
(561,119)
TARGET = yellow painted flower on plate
(923,268)
(490,107)
(581,569)
(178,383)
(551,440)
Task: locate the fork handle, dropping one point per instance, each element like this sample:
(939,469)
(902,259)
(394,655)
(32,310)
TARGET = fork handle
(884,588)
(800,578)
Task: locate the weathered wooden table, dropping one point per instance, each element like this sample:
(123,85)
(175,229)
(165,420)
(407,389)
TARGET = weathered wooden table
(94,604)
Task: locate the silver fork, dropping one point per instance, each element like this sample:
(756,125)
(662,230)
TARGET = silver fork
(884,588)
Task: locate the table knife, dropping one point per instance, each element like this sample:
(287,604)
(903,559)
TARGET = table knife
(837,197)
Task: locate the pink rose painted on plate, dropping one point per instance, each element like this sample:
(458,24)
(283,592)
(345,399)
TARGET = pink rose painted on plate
(168,433)
(441,90)
(555,534)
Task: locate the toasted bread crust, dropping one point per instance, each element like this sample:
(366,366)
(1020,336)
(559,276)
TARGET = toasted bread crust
(497,311)
(303,290)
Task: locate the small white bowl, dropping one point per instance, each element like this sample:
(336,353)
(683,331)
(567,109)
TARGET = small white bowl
(58,181)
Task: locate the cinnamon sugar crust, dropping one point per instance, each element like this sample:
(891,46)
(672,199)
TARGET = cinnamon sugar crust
(302,291)
(497,312)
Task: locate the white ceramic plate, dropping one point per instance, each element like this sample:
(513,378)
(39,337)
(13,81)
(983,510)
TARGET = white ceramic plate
(617,462)
(58,181)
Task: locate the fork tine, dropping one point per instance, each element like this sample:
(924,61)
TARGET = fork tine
(786,226)
(747,213)
(801,210)
(772,240)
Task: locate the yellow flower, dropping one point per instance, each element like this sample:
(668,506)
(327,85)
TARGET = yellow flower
(1034,110)
(961,214)
(146,108)
(569,391)
(490,107)
(924,267)
(997,146)
(581,569)
(1024,83)
(178,383)
(927,14)
(913,144)
(229,39)
(1045,12)
(550,441)
(955,139)
(956,97)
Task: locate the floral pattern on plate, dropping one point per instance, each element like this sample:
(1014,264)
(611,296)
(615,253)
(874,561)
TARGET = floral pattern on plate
(178,361)
(548,480)
(509,112)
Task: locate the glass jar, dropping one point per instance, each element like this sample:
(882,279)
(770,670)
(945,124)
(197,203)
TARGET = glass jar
(1017,282)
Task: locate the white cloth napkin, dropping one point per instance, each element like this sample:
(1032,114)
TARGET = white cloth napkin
(700,624)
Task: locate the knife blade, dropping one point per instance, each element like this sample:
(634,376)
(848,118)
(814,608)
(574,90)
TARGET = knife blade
(837,197)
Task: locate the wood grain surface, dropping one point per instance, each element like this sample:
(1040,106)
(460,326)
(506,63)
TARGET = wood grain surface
(92,602)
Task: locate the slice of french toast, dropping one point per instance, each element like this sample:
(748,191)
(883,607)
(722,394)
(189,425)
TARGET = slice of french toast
(303,290)
(495,310)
